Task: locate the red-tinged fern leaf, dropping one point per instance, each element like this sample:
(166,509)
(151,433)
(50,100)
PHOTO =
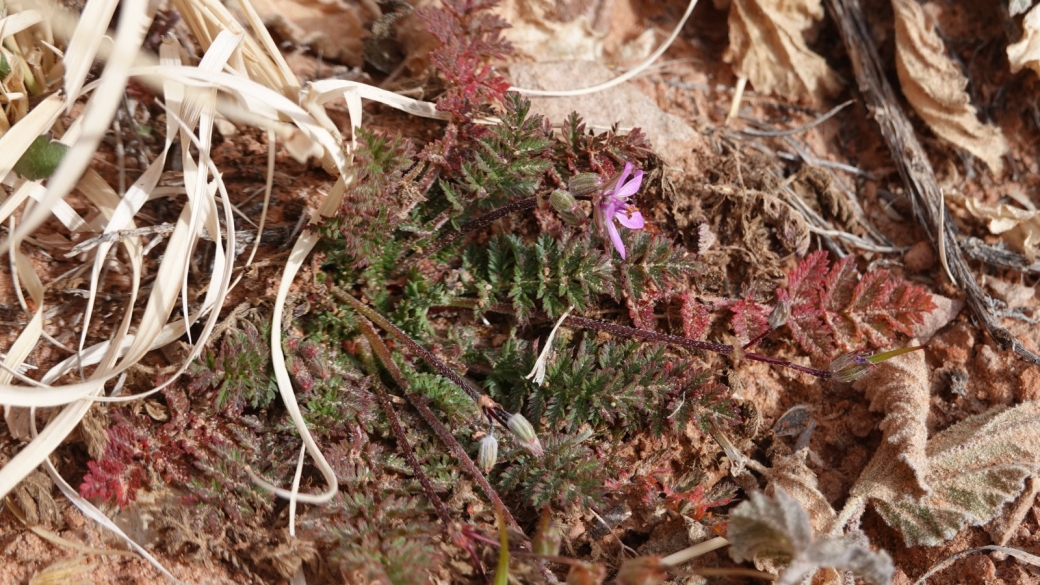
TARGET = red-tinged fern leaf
(835,309)
(696,317)
(883,305)
(750,319)
(805,281)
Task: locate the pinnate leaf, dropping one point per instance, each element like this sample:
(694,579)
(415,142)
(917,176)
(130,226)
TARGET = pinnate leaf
(975,467)
(778,528)
(834,309)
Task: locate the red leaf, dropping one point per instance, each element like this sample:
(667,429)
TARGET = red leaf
(750,319)
(835,309)
(696,317)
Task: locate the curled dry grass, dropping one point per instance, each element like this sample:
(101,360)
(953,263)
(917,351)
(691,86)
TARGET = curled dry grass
(241,77)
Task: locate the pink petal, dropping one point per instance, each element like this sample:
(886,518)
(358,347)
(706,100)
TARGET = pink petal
(633,221)
(629,189)
(615,237)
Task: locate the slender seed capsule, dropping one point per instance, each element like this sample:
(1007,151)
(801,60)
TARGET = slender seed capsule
(585,184)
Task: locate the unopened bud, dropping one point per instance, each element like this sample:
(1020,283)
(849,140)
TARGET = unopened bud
(781,313)
(853,366)
(524,432)
(586,574)
(487,453)
(571,212)
(585,184)
(642,571)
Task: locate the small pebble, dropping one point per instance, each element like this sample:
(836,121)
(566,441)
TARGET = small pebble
(919,257)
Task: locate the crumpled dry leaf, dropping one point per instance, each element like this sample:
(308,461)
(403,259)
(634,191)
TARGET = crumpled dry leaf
(1016,7)
(975,467)
(791,475)
(934,86)
(1026,52)
(778,527)
(767,46)
(1020,227)
(899,388)
(548,30)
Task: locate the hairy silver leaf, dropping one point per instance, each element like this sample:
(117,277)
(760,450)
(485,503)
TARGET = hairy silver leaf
(778,528)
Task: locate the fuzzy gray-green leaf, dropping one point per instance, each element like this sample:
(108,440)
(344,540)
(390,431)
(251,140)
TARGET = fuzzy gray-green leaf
(975,467)
(779,529)
(41,158)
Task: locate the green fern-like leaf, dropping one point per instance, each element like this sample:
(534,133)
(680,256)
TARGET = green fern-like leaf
(568,473)
(546,275)
(652,262)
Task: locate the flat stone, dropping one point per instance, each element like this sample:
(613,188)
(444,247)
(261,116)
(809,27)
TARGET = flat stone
(671,137)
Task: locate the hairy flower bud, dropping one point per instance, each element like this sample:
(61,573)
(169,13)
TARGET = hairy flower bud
(585,184)
(642,571)
(850,367)
(571,212)
(586,574)
(781,313)
(524,432)
(853,366)
(487,453)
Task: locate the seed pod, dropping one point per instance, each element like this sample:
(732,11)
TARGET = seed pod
(585,184)
(571,212)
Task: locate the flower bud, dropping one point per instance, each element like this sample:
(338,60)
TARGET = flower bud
(487,453)
(850,367)
(567,206)
(853,366)
(524,432)
(585,184)
(781,313)
(586,574)
(642,571)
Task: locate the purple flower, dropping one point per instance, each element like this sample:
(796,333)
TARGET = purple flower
(612,203)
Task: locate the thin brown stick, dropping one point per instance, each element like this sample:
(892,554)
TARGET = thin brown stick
(442,432)
(914,167)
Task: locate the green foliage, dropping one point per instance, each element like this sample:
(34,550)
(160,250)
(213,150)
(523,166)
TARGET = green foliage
(583,149)
(509,162)
(443,396)
(568,473)
(617,383)
(367,217)
(240,370)
(379,523)
(653,262)
(41,158)
(549,275)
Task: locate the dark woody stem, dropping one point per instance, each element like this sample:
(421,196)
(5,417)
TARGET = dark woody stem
(631,332)
(406,448)
(485,403)
(442,432)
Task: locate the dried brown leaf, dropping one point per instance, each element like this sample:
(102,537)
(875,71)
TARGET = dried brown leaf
(934,86)
(899,388)
(1019,227)
(767,46)
(1026,52)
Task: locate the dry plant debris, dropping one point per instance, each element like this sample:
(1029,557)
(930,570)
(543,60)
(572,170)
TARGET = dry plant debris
(464,241)
(767,46)
(935,87)
(1026,52)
